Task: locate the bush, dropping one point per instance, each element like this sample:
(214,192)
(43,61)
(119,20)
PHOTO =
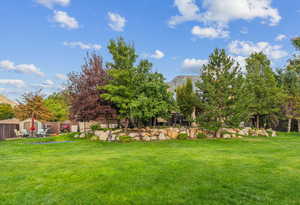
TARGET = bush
(95,127)
(201,135)
(125,139)
(183,136)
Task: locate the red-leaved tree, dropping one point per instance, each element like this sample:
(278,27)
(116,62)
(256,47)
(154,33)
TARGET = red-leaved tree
(84,90)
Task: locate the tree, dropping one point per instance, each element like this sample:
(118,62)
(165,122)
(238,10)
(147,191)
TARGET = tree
(296,42)
(187,100)
(222,93)
(32,106)
(138,93)
(6,111)
(58,105)
(263,86)
(84,94)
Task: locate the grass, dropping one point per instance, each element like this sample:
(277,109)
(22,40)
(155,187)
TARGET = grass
(209,172)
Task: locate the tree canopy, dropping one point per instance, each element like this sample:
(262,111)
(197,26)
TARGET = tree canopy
(6,111)
(223,95)
(58,105)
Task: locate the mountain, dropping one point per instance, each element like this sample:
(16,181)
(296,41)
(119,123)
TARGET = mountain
(180,80)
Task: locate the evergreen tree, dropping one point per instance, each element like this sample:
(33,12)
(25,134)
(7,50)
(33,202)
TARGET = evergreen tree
(263,86)
(222,92)
(186,100)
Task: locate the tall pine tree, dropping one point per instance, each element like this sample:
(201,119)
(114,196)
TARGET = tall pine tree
(263,86)
(222,92)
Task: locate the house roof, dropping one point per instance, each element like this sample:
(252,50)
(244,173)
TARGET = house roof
(5,100)
(10,121)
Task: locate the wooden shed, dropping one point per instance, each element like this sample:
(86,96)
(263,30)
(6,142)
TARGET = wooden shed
(8,127)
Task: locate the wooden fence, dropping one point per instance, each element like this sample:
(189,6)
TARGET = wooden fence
(8,131)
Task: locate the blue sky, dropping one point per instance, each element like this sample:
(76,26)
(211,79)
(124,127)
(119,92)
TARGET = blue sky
(43,40)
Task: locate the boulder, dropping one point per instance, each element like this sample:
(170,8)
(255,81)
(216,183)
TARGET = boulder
(227,136)
(82,135)
(102,135)
(147,139)
(162,136)
(134,134)
(193,133)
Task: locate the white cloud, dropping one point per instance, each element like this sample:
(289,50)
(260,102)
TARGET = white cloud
(51,3)
(209,32)
(188,10)
(157,54)
(193,65)
(116,21)
(280,37)
(221,12)
(83,46)
(21,68)
(61,76)
(13,82)
(244,30)
(64,20)
(246,48)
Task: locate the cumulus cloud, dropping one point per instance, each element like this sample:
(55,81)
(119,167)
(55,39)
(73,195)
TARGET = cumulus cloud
(21,68)
(116,21)
(209,32)
(157,54)
(193,65)
(61,76)
(244,30)
(83,46)
(280,37)
(246,48)
(51,3)
(13,82)
(64,20)
(221,12)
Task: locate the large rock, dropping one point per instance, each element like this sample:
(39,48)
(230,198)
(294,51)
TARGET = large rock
(173,133)
(103,135)
(193,133)
(162,136)
(134,134)
(147,139)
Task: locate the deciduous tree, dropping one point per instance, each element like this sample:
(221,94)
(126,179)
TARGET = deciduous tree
(84,94)
(6,111)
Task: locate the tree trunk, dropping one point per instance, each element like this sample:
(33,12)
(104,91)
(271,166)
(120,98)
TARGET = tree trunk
(126,125)
(194,124)
(298,121)
(154,122)
(289,125)
(257,121)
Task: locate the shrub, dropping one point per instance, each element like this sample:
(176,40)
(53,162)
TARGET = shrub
(89,135)
(95,127)
(70,134)
(183,136)
(201,135)
(125,139)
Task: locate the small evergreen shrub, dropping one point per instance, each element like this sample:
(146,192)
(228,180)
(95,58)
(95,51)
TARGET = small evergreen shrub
(183,136)
(125,139)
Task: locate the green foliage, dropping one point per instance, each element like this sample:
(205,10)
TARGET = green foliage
(70,134)
(138,93)
(96,127)
(57,104)
(223,96)
(201,135)
(186,99)
(262,84)
(183,136)
(296,42)
(6,111)
(125,139)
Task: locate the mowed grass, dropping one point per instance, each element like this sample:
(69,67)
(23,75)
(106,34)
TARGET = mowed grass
(240,171)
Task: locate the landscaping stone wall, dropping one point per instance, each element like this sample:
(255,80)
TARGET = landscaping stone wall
(150,134)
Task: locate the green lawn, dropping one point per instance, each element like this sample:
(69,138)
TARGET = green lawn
(240,171)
